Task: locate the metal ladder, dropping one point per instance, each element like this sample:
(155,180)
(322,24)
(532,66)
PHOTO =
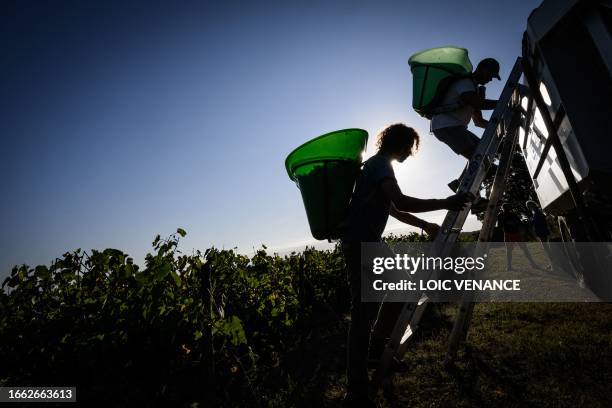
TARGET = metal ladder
(503,125)
(466,306)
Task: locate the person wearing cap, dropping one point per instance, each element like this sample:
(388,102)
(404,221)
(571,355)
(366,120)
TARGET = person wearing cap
(468,93)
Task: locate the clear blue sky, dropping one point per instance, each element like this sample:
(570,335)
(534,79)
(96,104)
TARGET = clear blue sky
(121,120)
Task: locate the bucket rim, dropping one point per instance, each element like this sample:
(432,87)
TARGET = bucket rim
(291,170)
(410,59)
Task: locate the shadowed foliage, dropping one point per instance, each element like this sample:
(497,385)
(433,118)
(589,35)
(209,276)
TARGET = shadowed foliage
(266,330)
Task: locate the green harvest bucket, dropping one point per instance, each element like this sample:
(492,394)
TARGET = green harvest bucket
(430,67)
(325,170)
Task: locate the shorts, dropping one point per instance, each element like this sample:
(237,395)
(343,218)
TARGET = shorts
(459,139)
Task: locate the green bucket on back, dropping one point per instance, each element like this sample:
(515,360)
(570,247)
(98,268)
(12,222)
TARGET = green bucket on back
(430,67)
(325,170)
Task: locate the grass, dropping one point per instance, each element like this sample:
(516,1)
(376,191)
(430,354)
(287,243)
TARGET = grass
(541,355)
(517,355)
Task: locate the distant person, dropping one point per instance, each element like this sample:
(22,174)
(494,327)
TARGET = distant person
(451,127)
(377,195)
(538,221)
(539,226)
(514,234)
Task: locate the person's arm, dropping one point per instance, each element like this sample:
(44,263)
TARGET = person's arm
(430,228)
(471,98)
(479,121)
(406,203)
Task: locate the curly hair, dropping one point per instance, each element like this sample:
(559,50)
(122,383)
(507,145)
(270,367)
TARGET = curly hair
(396,137)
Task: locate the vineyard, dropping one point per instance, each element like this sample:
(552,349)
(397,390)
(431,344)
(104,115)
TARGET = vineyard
(267,330)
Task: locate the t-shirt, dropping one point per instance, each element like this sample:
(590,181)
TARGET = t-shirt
(458,117)
(369,207)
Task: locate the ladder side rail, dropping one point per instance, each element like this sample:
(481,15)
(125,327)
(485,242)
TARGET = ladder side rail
(412,327)
(466,307)
(393,344)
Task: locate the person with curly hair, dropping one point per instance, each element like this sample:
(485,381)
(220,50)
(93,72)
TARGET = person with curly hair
(377,195)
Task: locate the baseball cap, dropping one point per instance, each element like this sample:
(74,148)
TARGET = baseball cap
(492,65)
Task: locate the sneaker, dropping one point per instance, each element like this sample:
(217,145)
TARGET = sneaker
(454,185)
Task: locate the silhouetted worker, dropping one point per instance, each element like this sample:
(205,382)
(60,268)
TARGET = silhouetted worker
(514,234)
(539,226)
(451,127)
(538,221)
(377,195)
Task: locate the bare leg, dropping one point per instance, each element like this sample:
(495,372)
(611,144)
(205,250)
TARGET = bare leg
(468,153)
(525,250)
(547,250)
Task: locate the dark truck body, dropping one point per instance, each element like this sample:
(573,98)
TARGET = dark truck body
(570,51)
(567,143)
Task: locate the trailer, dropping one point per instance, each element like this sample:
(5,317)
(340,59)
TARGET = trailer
(567,145)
